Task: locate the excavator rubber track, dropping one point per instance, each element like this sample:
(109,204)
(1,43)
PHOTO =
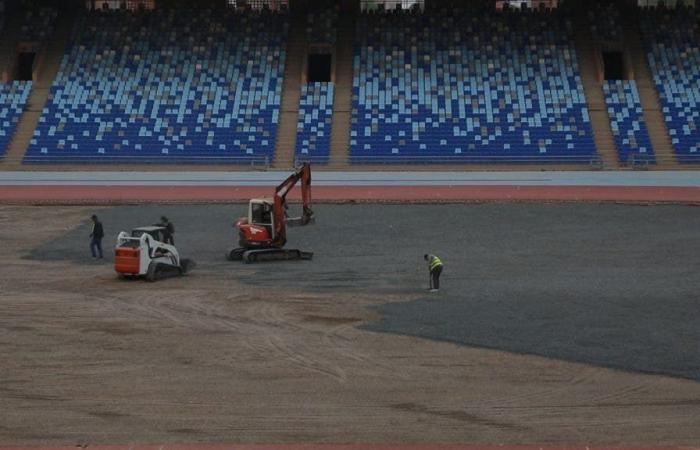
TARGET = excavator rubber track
(275,254)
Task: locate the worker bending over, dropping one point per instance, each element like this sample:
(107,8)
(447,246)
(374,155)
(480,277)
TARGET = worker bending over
(435,268)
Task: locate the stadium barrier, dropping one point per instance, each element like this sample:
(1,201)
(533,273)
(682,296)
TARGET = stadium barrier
(253,161)
(585,162)
(594,161)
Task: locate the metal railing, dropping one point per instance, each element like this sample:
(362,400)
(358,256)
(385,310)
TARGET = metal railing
(416,162)
(594,161)
(252,161)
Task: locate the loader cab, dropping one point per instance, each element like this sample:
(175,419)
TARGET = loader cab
(157,233)
(260,213)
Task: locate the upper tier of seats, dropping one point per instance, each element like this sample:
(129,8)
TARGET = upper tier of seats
(445,86)
(605,22)
(671,37)
(322,26)
(2,14)
(13,99)
(314,128)
(627,121)
(166,86)
(38,23)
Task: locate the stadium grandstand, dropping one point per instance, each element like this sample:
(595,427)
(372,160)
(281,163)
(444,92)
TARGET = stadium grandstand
(351,84)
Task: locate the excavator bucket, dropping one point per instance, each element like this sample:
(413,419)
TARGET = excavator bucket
(306,218)
(300,221)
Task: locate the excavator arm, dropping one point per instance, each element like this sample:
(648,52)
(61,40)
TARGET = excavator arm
(303,175)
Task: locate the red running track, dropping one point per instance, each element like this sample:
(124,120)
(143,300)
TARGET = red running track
(150,193)
(338,447)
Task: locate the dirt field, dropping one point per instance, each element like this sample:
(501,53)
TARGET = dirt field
(556,324)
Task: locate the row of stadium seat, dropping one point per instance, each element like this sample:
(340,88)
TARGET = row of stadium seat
(13,99)
(314,128)
(38,22)
(674,58)
(605,22)
(322,25)
(500,87)
(166,86)
(627,121)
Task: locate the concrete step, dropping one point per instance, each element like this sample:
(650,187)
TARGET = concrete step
(342,103)
(595,100)
(291,93)
(649,98)
(47,66)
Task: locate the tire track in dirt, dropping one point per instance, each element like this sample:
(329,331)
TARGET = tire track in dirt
(288,343)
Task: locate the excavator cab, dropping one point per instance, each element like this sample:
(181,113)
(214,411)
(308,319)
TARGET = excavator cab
(257,230)
(260,214)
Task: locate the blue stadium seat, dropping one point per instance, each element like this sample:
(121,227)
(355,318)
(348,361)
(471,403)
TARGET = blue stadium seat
(627,121)
(447,87)
(38,23)
(13,99)
(605,22)
(166,86)
(322,25)
(314,126)
(674,58)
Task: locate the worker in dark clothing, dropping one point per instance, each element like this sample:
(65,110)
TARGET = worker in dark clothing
(169,230)
(96,237)
(435,269)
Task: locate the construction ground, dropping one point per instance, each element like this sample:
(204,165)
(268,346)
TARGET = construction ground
(556,324)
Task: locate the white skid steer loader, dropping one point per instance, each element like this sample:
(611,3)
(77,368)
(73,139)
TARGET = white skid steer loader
(144,254)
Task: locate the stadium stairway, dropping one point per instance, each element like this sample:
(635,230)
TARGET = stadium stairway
(587,51)
(289,109)
(47,68)
(648,96)
(342,103)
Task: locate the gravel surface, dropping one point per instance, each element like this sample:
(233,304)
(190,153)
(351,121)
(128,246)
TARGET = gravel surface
(609,285)
(540,302)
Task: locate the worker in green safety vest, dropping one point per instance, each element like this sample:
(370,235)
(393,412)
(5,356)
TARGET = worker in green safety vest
(435,269)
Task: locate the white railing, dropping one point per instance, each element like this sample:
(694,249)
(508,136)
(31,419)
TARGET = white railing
(590,160)
(254,161)
(458,162)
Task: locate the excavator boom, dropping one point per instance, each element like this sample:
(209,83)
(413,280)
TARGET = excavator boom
(303,175)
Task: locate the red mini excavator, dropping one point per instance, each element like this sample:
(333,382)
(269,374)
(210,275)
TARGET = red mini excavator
(263,234)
